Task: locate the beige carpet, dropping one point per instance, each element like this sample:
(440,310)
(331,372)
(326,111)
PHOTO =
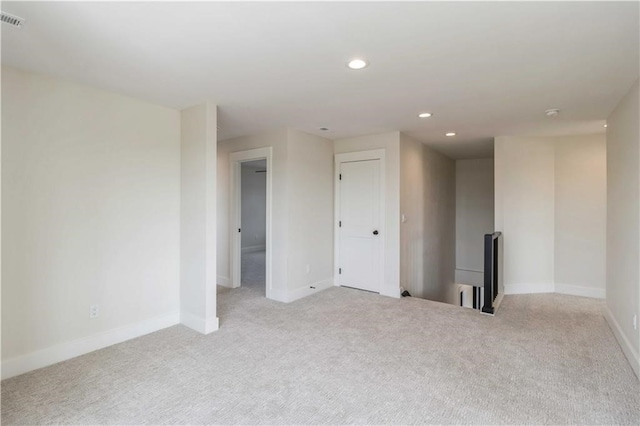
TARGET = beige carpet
(252,272)
(343,356)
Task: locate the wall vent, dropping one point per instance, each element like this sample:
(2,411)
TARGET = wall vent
(11,20)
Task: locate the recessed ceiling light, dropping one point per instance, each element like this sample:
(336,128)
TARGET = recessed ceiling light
(357,64)
(450,134)
(604,125)
(552,112)
(425,115)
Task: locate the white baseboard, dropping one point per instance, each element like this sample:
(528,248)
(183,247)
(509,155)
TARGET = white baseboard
(529,288)
(277,295)
(253,249)
(299,293)
(390,291)
(576,290)
(307,290)
(64,351)
(625,344)
(223,281)
(386,290)
(199,324)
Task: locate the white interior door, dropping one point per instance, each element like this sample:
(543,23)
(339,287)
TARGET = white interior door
(360,241)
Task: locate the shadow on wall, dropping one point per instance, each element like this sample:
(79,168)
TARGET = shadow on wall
(475,212)
(427,205)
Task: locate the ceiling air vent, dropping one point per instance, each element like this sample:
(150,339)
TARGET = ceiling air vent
(11,20)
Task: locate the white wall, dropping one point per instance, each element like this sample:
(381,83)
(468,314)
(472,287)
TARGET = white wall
(550,205)
(412,207)
(310,213)
(198,218)
(427,238)
(474,217)
(302,188)
(580,215)
(91,215)
(278,141)
(623,224)
(440,226)
(253,201)
(525,212)
(390,142)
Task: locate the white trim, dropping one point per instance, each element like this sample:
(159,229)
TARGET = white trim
(529,288)
(279,296)
(223,281)
(235,252)
(199,324)
(576,290)
(299,293)
(625,344)
(469,277)
(64,351)
(254,249)
(211,186)
(390,291)
(374,154)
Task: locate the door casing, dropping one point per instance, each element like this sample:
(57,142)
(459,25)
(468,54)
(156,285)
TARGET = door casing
(235,219)
(375,154)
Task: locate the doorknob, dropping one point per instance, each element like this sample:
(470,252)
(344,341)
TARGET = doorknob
(375,232)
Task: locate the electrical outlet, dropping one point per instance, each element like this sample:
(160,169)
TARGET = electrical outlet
(94,311)
(308,269)
(635,322)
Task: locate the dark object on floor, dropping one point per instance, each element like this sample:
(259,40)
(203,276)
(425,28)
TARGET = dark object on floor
(405,294)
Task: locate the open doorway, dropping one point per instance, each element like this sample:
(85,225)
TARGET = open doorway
(251,220)
(253,224)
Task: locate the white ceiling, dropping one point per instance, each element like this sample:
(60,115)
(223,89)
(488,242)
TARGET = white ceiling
(483,69)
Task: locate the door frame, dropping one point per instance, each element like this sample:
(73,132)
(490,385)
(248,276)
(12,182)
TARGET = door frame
(235,213)
(349,157)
